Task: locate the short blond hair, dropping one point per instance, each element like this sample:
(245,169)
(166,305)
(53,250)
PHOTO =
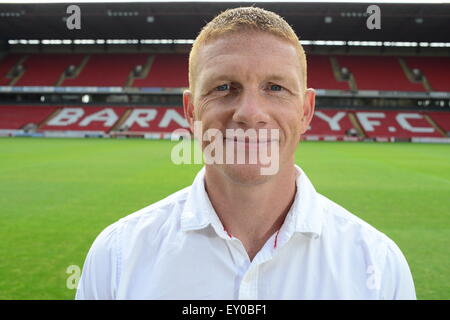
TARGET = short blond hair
(244,19)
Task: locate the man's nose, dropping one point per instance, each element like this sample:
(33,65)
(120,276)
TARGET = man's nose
(250,110)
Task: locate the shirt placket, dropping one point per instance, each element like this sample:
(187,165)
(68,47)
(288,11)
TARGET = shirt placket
(248,289)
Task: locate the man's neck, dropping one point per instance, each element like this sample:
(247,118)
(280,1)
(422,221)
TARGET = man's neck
(252,213)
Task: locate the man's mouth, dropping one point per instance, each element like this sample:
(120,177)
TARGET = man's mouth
(249,140)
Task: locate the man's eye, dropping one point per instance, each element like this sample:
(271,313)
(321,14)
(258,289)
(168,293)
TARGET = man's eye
(275,87)
(223,87)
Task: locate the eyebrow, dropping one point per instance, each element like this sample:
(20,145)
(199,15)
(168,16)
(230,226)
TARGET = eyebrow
(214,78)
(277,77)
(270,77)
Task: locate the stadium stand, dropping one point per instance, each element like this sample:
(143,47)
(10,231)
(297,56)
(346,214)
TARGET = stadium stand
(371,85)
(6,65)
(330,123)
(16,117)
(378,73)
(397,124)
(162,119)
(171,71)
(326,123)
(167,70)
(320,74)
(435,69)
(93,119)
(46,69)
(100,119)
(107,70)
(442,120)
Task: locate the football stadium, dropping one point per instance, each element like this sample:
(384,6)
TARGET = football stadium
(90,98)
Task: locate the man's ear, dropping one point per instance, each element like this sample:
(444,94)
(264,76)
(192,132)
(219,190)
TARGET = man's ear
(188,107)
(309,104)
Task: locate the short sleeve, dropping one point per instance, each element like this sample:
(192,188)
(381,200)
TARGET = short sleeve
(98,278)
(397,282)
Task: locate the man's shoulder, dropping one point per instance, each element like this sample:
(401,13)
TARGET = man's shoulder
(353,239)
(340,222)
(160,209)
(153,216)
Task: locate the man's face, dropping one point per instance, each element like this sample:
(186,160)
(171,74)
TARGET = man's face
(251,80)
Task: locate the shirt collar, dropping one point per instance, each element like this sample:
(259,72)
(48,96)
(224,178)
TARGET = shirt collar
(305,215)
(198,211)
(306,211)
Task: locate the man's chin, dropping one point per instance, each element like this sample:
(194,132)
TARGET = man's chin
(245,174)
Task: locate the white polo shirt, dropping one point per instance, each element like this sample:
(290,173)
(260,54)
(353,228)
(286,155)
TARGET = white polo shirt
(177,248)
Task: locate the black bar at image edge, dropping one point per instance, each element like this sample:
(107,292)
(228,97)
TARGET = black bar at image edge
(223,309)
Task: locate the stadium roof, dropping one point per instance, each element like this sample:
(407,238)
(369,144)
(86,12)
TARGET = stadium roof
(182,20)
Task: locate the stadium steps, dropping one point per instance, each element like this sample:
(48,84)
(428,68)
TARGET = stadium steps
(436,69)
(169,70)
(426,83)
(435,125)
(7,63)
(77,71)
(20,62)
(44,121)
(409,74)
(62,77)
(50,117)
(119,122)
(381,73)
(338,75)
(357,125)
(144,74)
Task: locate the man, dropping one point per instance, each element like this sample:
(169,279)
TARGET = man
(236,233)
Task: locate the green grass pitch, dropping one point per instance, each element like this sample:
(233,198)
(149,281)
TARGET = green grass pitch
(56,195)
